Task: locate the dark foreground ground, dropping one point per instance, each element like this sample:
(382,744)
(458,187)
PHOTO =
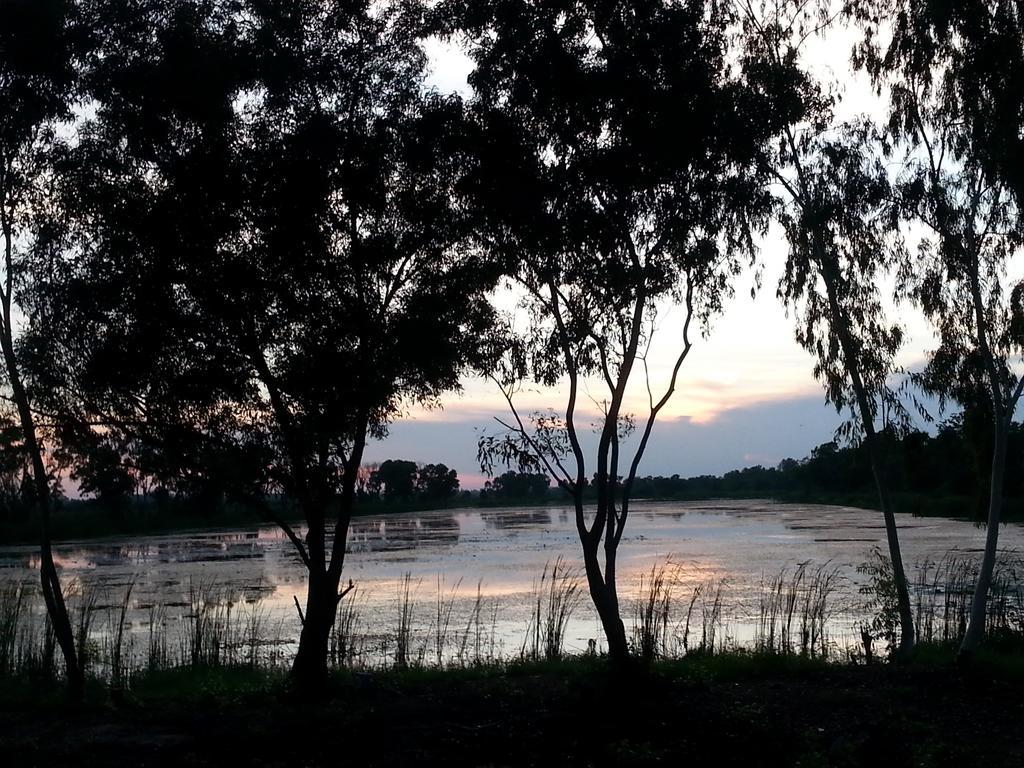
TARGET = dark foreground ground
(733,710)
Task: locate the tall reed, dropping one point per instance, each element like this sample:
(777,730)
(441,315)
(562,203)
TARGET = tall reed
(477,635)
(346,642)
(119,665)
(556,598)
(217,626)
(442,619)
(158,652)
(711,616)
(795,608)
(653,607)
(942,593)
(12,611)
(403,630)
(254,618)
(83,596)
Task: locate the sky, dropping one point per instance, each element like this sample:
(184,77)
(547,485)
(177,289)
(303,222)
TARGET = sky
(747,394)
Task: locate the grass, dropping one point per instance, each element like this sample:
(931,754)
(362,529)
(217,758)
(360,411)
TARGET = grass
(403,628)
(941,592)
(478,644)
(221,684)
(653,612)
(228,683)
(12,605)
(556,597)
(795,608)
(345,646)
(225,629)
(120,664)
(444,605)
(730,708)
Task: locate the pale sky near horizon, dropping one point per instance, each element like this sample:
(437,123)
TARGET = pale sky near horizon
(747,394)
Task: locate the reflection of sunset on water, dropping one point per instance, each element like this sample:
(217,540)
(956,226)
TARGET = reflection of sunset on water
(496,556)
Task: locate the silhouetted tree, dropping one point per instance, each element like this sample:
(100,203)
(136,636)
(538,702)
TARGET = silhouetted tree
(835,208)
(265,258)
(16,490)
(436,482)
(520,485)
(620,171)
(97,464)
(957,105)
(394,479)
(39,42)
(923,469)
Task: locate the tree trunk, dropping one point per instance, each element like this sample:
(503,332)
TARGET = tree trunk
(899,575)
(979,603)
(309,670)
(1002,417)
(603,594)
(53,595)
(841,328)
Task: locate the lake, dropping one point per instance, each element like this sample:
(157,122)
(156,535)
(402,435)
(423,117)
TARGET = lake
(472,574)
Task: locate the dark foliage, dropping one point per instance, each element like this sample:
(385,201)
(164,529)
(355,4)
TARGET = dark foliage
(261,268)
(619,172)
(518,485)
(949,470)
(396,479)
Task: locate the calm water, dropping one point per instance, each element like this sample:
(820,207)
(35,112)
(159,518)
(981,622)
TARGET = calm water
(502,552)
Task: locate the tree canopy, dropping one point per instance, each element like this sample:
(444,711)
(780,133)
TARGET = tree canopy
(627,150)
(264,261)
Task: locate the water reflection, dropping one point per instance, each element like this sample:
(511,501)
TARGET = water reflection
(509,519)
(180,550)
(501,550)
(401,533)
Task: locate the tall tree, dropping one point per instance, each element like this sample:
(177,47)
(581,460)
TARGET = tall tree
(620,171)
(39,43)
(954,75)
(437,482)
(267,251)
(395,478)
(836,211)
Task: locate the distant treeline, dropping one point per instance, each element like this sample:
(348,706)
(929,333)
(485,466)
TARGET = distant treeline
(944,473)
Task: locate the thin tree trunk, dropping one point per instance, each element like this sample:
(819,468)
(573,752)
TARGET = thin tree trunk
(907,637)
(979,602)
(850,358)
(53,595)
(602,592)
(1002,414)
(309,670)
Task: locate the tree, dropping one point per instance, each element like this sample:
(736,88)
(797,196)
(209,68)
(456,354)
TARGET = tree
(16,489)
(98,466)
(436,482)
(39,43)
(266,261)
(957,106)
(835,208)
(395,479)
(619,170)
(520,485)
